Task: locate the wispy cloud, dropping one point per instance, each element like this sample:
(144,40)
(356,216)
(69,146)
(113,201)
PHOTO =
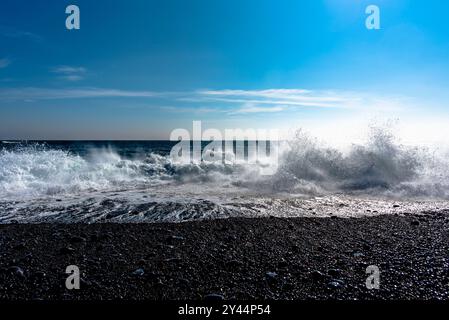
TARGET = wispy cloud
(70,73)
(278,100)
(4,63)
(223,102)
(11,32)
(191,109)
(276,97)
(31,93)
(251,108)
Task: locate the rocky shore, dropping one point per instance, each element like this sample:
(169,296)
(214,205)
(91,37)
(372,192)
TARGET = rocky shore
(268,258)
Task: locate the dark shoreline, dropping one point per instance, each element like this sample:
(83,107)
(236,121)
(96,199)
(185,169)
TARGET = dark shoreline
(267,258)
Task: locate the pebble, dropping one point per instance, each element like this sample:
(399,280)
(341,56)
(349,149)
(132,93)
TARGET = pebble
(213,297)
(234,264)
(271,275)
(317,275)
(18,271)
(66,250)
(336,284)
(139,272)
(173,239)
(40,274)
(334,272)
(77,239)
(282,263)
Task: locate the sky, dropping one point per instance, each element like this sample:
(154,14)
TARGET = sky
(139,69)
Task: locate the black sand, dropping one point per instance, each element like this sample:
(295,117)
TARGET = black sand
(272,258)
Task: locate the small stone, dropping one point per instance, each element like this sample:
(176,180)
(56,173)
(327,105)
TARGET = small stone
(271,275)
(77,239)
(184,282)
(85,283)
(173,239)
(336,284)
(334,272)
(213,297)
(233,264)
(139,272)
(317,275)
(282,263)
(142,262)
(18,271)
(40,274)
(66,250)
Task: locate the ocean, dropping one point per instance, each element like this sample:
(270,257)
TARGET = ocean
(136,181)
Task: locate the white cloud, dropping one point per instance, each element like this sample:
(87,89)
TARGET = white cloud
(69,69)
(70,73)
(4,63)
(285,97)
(270,93)
(251,108)
(10,32)
(289,99)
(224,102)
(191,109)
(31,93)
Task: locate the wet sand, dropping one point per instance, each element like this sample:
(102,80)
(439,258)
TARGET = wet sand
(236,258)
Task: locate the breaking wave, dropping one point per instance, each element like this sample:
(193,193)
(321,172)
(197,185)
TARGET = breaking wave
(36,170)
(381,166)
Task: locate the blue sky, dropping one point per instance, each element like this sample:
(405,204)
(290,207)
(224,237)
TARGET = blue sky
(138,69)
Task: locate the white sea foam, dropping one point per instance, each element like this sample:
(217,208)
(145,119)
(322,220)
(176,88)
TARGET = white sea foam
(38,183)
(381,166)
(36,171)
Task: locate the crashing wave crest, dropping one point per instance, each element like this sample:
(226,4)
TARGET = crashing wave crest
(380,167)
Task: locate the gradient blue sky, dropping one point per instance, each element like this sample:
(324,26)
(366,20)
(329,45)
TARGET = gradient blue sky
(138,69)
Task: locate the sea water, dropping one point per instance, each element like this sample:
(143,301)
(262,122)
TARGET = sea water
(136,181)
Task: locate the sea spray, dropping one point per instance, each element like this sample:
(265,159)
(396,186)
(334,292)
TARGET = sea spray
(380,167)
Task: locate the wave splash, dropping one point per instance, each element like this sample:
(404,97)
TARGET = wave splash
(380,167)
(36,170)
(32,171)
